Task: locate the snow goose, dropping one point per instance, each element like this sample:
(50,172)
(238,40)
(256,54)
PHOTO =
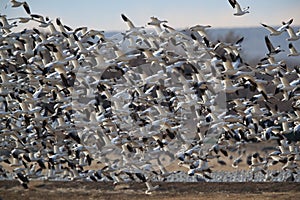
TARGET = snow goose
(271,48)
(259,85)
(150,187)
(230,48)
(164,173)
(271,68)
(15,4)
(45,23)
(122,56)
(201,171)
(5,26)
(22,178)
(156,23)
(228,66)
(82,49)
(62,28)
(127,21)
(274,31)
(278,31)
(131,26)
(44,39)
(151,56)
(284,86)
(238,10)
(201,29)
(291,164)
(256,163)
(293,50)
(292,34)
(21,19)
(237,161)
(172,32)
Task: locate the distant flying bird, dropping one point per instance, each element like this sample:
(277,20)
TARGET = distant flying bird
(279,30)
(293,36)
(150,188)
(201,29)
(238,10)
(128,21)
(271,48)
(293,50)
(272,30)
(18,4)
(156,23)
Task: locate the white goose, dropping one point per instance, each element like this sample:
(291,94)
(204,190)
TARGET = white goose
(238,10)
(292,34)
(272,30)
(293,50)
(5,25)
(127,21)
(150,187)
(279,30)
(271,48)
(15,4)
(291,164)
(201,29)
(157,24)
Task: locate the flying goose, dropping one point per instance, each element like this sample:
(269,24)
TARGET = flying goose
(19,3)
(237,161)
(285,84)
(127,21)
(228,66)
(62,27)
(229,87)
(157,24)
(274,31)
(293,50)
(278,31)
(21,19)
(291,164)
(201,29)
(5,25)
(292,34)
(44,23)
(231,49)
(150,187)
(256,163)
(271,48)
(238,10)
(22,178)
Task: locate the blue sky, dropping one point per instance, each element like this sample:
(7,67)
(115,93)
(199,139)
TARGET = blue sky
(105,15)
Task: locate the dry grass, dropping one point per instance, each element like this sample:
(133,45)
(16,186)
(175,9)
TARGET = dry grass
(89,190)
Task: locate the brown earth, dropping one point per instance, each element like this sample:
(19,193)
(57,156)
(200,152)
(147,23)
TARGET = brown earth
(90,190)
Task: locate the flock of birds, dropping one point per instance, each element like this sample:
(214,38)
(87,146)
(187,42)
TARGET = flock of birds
(75,104)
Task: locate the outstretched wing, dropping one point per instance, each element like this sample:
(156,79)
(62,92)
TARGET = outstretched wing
(269,28)
(26,8)
(232,3)
(128,21)
(269,44)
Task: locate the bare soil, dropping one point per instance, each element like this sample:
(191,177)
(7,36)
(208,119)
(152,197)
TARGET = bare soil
(202,190)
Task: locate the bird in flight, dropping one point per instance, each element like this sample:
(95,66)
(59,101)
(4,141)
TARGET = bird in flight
(278,31)
(238,10)
(271,48)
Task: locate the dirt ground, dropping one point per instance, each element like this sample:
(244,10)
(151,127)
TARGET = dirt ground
(90,190)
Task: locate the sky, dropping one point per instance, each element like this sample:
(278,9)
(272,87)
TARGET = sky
(106,15)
